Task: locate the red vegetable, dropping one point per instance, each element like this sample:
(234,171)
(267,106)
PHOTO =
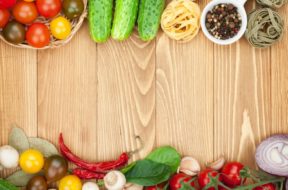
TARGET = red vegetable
(269,186)
(272,155)
(49,8)
(204,178)
(287,184)
(25,12)
(231,174)
(99,167)
(6,4)
(38,35)
(156,187)
(176,181)
(4,17)
(86,174)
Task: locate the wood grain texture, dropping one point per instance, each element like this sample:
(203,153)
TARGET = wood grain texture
(67,95)
(184,95)
(18,91)
(204,99)
(126,96)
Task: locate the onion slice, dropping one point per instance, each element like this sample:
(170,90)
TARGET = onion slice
(272,155)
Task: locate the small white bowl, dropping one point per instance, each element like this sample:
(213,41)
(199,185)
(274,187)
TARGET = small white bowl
(241,10)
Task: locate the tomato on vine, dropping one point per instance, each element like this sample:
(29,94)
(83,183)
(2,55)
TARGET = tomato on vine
(268,186)
(204,178)
(231,174)
(179,179)
(4,17)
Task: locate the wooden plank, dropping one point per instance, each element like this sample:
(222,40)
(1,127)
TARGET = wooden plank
(242,100)
(280,81)
(18,91)
(67,94)
(184,95)
(126,96)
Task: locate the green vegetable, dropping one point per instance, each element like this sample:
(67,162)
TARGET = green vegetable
(5,185)
(150,12)
(100,19)
(166,155)
(124,18)
(148,173)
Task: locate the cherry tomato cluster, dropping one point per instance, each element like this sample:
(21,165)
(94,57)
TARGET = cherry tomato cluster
(228,178)
(22,21)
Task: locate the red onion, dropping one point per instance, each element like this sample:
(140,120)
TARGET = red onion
(286,184)
(272,155)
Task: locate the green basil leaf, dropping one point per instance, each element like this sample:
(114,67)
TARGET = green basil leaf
(148,173)
(5,185)
(166,155)
(128,167)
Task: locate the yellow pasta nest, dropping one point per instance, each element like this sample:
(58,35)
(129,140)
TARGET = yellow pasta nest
(181,20)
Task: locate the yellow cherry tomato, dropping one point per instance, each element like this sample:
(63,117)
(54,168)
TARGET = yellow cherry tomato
(31,161)
(70,182)
(60,28)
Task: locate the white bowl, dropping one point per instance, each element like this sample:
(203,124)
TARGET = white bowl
(240,6)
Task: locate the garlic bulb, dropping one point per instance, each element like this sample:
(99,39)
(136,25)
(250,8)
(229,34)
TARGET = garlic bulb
(90,186)
(114,180)
(9,157)
(132,186)
(218,164)
(190,166)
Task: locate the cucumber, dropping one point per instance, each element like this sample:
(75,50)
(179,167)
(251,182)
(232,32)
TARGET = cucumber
(149,18)
(124,19)
(100,19)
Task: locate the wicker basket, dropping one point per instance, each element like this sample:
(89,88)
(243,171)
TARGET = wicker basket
(55,43)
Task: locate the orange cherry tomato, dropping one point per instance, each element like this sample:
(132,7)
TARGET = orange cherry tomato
(25,12)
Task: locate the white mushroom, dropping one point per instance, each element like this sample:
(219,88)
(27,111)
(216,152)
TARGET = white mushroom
(9,157)
(132,186)
(114,180)
(90,186)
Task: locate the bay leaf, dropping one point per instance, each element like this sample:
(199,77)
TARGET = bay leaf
(18,139)
(19,178)
(45,147)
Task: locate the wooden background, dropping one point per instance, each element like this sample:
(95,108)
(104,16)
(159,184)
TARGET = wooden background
(204,99)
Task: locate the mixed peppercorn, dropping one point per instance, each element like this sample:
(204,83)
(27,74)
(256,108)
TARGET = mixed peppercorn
(223,21)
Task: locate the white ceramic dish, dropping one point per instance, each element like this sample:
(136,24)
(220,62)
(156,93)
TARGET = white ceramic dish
(240,6)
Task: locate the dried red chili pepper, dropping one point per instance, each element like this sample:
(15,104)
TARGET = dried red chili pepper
(86,174)
(99,167)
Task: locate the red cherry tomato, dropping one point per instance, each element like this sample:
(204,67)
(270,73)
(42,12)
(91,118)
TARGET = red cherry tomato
(25,12)
(269,186)
(231,174)
(6,4)
(38,35)
(176,181)
(204,179)
(49,8)
(4,17)
(155,187)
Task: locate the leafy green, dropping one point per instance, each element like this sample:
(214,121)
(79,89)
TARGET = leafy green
(166,155)
(18,139)
(128,167)
(148,173)
(5,185)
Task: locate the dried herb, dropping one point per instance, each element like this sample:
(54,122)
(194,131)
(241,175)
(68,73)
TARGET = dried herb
(19,178)
(45,147)
(18,139)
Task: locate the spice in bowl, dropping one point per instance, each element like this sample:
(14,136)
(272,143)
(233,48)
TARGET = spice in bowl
(223,21)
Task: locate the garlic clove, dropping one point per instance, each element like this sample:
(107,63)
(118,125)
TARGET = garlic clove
(217,164)
(114,180)
(190,166)
(132,186)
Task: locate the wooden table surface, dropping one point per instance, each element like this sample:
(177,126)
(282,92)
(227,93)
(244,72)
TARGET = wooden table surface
(204,99)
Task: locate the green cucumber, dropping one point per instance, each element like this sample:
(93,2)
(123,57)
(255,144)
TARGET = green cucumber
(124,19)
(100,19)
(149,18)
